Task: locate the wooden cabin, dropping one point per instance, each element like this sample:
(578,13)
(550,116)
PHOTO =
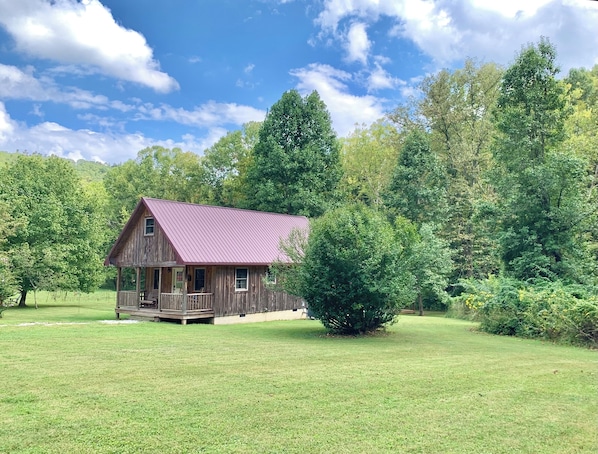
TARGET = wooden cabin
(181,261)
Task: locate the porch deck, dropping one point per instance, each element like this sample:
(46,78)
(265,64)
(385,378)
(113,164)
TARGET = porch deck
(166,306)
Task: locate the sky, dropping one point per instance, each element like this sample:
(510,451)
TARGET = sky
(102,80)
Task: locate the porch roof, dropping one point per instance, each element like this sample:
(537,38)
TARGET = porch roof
(210,235)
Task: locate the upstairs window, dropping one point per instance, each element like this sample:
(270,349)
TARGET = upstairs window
(149,227)
(241,279)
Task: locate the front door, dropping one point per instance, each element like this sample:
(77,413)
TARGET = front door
(178,280)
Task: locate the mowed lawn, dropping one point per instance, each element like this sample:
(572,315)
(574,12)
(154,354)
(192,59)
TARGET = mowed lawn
(427,385)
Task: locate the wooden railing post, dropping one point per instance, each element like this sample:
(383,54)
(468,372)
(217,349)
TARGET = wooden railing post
(138,285)
(160,289)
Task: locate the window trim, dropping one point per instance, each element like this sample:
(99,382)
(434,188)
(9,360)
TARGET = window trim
(270,277)
(237,279)
(195,289)
(146,231)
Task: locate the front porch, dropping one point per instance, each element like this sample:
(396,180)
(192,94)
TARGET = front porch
(166,306)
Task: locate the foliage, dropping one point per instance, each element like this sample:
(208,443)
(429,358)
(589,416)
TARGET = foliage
(225,166)
(543,208)
(296,166)
(417,189)
(368,157)
(429,260)
(544,310)
(456,107)
(59,239)
(351,274)
(156,172)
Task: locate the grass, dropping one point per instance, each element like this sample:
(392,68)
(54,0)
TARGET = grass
(428,385)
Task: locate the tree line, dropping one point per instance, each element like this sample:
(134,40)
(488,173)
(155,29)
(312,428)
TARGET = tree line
(488,171)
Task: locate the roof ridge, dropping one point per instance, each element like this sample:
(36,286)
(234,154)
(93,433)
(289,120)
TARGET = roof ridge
(246,210)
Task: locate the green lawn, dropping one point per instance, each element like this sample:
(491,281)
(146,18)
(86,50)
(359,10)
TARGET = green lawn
(429,385)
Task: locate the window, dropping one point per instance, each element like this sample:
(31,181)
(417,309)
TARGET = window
(149,226)
(270,276)
(241,275)
(156,278)
(200,280)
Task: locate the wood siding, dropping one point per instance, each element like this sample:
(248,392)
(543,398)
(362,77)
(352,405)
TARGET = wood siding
(228,301)
(146,251)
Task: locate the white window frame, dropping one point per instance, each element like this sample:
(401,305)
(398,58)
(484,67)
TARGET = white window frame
(246,278)
(270,277)
(145,226)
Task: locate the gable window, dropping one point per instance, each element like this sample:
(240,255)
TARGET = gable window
(149,227)
(241,278)
(200,280)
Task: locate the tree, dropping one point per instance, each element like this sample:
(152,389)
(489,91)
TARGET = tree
(58,244)
(156,172)
(417,188)
(296,166)
(225,166)
(368,157)
(457,109)
(8,282)
(429,260)
(351,272)
(542,205)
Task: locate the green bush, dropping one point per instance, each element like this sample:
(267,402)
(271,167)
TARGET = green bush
(551,311)
(352,275)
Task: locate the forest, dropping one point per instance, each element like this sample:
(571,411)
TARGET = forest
(489,175)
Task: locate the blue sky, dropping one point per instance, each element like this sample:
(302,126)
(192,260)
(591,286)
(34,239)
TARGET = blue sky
(101,80)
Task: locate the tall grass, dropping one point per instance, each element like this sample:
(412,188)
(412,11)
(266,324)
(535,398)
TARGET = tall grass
(427,385)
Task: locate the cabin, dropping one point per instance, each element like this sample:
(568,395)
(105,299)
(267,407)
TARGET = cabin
(185,262)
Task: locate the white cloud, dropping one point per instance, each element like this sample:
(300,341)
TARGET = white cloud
(18,84)
(207,115)
(450,30)
(249,68)
(358,44)
(50,138)
(83,34)
(380,79)
(346,110)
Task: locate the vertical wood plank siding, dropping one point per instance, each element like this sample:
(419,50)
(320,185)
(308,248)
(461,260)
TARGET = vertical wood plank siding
(141,250)
(256,299)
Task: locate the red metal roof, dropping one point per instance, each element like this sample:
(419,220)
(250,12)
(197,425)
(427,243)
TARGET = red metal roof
(210,235)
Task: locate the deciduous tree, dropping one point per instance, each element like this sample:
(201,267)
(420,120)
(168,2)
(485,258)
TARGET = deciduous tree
(296,166)
(58,242)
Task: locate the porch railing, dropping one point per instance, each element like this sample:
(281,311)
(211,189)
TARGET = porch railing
(199,301)
(195,301)
(169,301)
(127,298)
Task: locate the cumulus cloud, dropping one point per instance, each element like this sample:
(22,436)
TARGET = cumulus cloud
(358,44)
(16,83)
(207,115)
(52,138)
(83,34)
(450,30)
(346,109)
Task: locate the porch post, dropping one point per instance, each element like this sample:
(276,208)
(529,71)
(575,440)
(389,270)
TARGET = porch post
(185,290)
(138,284)
(118,280)
(160,288)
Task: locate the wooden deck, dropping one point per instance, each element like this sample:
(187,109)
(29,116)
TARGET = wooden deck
(169,306)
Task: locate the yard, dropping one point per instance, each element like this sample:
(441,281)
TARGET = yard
(427,385)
